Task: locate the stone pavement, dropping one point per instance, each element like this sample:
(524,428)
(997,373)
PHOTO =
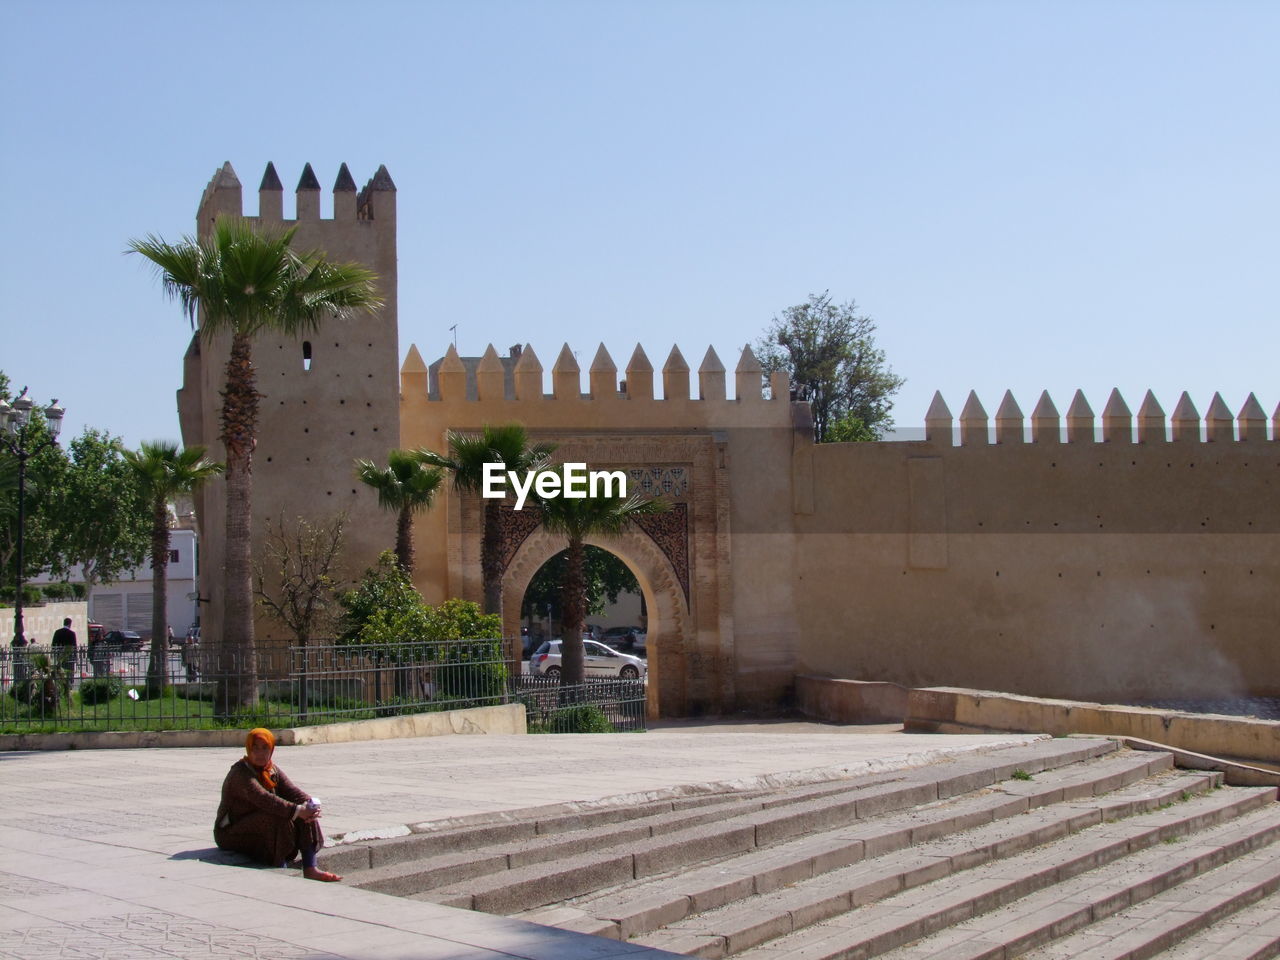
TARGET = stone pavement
(109,853)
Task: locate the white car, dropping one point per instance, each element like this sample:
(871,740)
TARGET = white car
(598,661)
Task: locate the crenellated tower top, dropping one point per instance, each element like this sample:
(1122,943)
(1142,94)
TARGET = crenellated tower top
(375,202)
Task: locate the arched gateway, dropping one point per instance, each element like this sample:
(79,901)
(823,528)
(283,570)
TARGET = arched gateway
(669,621)
(675,448)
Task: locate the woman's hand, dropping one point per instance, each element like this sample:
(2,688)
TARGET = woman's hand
(308,812)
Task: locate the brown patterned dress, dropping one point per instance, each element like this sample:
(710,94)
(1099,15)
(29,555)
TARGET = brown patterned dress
(262,823)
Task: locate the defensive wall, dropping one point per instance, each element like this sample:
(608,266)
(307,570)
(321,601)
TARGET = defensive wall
(1112,558)
(326,399)
(1137,559)
(1093,558)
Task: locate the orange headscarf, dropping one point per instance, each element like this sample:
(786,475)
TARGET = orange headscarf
(267,737)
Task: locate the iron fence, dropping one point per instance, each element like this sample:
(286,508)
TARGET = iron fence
(598,705)
(207,687)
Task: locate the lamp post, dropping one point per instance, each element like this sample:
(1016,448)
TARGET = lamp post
(16,433)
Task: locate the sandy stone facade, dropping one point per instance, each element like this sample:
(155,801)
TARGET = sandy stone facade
(1115,557)
(327,399)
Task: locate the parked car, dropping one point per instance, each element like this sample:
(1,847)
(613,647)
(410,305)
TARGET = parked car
(599,661)
(621,638)
(124,640)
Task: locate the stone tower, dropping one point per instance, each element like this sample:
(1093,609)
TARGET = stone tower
(327,399)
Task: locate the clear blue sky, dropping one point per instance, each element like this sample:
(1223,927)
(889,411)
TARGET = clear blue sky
(1024,195)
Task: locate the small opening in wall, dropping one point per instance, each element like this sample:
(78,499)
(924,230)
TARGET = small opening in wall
(306,354)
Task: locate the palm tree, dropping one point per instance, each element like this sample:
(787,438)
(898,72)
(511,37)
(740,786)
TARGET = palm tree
(578,518)
(508,445)
(244,282)
(164,472)
(406,486)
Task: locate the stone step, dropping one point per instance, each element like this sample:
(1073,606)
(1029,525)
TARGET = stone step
(514,826)
(1249,934)
(524,887)
(640,908)
(553,839)
(1000,909)
(1172,907)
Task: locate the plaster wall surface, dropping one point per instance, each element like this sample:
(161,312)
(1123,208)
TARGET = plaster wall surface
(328,397)
(1086,571)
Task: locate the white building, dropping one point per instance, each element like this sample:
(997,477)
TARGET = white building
(125,604)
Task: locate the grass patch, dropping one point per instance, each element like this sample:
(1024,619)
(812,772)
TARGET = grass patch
(1021,775)
(102,709)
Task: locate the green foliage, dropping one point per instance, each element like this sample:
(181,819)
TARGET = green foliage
(462,620)
(384,612)
(580,718)
(1020,775)
(606,577)
(83,507)
(57,591)
(849,429)
(829,352)
(384,606)
(47,686)
(100,690)
(470,670)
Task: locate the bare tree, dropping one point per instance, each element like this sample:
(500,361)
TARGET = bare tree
(297,581)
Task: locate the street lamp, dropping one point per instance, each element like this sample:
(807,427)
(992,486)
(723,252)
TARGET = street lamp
(16,432)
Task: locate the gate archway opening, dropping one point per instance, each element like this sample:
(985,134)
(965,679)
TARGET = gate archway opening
(668,613)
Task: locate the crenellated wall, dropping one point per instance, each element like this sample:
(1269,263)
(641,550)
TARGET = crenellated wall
(1134,557)
(714,640)
(328,398)
(1111,557)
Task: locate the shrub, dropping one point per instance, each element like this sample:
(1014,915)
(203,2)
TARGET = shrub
(56,591)
(580,718)
(100,690)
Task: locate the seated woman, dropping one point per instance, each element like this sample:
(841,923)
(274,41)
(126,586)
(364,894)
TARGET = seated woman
(262,814)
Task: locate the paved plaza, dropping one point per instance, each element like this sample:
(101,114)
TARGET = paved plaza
(109,853)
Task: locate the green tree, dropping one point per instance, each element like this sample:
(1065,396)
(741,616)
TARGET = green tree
(84,506)
(605,575)
(578,518)
(243,282)
(829,351)
(102,509)
(407,486)
(383,598)
(510,446)
(164,472)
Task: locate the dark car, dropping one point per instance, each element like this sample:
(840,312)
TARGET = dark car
(621,638)
(124,640)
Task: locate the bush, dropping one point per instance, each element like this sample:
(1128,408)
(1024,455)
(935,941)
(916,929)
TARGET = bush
(100,690)
(581,718)
(56,591)
(30,595)
(79,591)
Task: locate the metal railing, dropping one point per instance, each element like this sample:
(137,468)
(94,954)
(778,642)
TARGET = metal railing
(207,687)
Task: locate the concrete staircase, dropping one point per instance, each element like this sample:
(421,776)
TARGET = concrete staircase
(1061,849)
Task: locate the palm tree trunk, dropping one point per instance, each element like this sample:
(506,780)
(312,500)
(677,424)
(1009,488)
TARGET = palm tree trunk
(237,660)
(491,558)
(573,603)
(404,540)
(157,669)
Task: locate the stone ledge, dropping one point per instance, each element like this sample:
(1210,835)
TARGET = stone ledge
(506,718)
(959,710)
(850,701)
